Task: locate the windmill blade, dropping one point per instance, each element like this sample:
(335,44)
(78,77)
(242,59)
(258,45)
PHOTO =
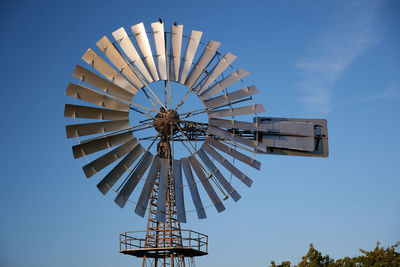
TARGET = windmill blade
(96,81)
(94,60)
(112,177)
(221,179)
(144,197)
(201,64)
(258,108)
(201,213)
(75,111)
(90,96)
(162,190)
(226,98)
(118,61)
(76,130)
(159,41)
(224,162)
(224,62)
(179,196)
(139,32)
(231,136)
(206,184)
(133,180)
(175,54)
(126,45)
(225,83)
(234,153)
(187,60)
(99,144)
(97,165)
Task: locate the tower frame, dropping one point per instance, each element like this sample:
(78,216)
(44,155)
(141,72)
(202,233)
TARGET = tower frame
(164,243)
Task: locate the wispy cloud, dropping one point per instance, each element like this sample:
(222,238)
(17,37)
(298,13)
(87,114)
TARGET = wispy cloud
(352,34)
(392,92)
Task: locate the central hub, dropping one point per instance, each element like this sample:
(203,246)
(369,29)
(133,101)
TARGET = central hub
(165,122)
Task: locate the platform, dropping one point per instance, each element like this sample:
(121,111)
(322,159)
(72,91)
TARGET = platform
(188,244)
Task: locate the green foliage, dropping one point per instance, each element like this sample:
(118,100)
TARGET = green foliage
(314,258)
(379,257)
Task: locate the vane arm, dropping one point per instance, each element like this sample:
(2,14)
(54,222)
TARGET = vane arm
(195,122)
(197,111)
(224,140)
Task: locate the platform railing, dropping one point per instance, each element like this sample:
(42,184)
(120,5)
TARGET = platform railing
(136,240)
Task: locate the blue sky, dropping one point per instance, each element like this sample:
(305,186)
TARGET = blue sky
(338,60)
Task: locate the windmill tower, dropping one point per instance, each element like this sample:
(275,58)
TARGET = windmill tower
(146,139)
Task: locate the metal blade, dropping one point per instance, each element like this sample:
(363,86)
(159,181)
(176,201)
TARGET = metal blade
(97,165)
(225,61)
(206,184)
(225,83)
(258,108)
(144,197)
(201,64)
(118,61)
(162,190)
(234,153)
(221,179)
(179,197)
(139,32)
(201,213)
(226,98)
(75,111)
(112,177)
(125,43)
(236,172)
(90,96)
(231,136)
(95,145)
(187,60)
(75,130)
(175,53)
(89,77)
(133,180)
(94,60)
(159,41)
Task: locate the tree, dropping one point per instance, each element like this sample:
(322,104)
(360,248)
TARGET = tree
(378,257)
(314,258)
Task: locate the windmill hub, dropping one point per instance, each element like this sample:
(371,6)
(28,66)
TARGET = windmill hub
(165,122)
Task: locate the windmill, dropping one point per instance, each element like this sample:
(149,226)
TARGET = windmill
(145,139)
